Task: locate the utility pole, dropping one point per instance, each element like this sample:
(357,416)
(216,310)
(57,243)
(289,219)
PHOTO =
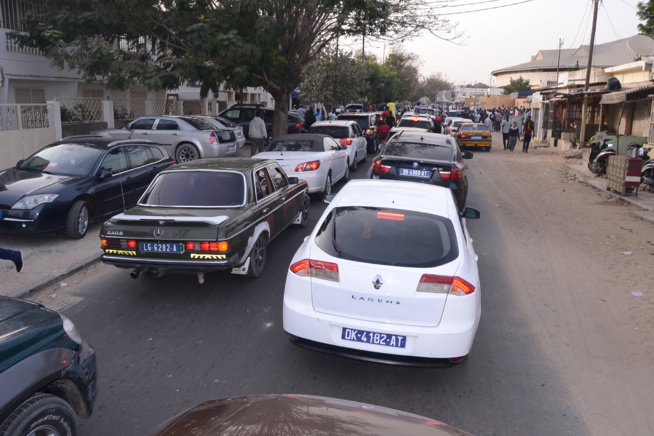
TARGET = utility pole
(584,106)
(558,62)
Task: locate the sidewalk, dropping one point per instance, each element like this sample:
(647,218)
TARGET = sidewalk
(50,259)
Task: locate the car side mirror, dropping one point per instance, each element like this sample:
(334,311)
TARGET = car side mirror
(470,213)
(293,180)
(104,173)
(19,163)
(467,154)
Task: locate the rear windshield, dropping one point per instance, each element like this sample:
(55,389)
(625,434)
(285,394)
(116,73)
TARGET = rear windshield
(333,131)
(297,145)
(189,189)
(473,127)
(364,122)
(198,123)
(418,150)
(412,122)
(388,237)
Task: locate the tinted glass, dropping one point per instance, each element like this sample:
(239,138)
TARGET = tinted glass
(364,122)
(233,114)
(66,159)
(115,161)
(418,150)
(139,156)
(225,122)
(199,123)
(388,237)
(333,131)
(143,124)
(296,145)
(190,189)
(417,123)
(473,127)
(167,125)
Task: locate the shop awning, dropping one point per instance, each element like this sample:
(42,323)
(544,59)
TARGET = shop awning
(621,96)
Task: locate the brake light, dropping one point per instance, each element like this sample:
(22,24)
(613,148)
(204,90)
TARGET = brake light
(462,136)
(346,141)
(453,174)
(391,216)
(213,137)
(298,126)
(119,244)
(316,269)
(443,285)
(377,167)
(219,246)
(308,166)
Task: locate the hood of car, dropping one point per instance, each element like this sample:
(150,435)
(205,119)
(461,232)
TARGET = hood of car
(303,414)
(16,184)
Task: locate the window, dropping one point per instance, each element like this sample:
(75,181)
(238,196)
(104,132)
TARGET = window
(142,124)
(388,237)
(197,189)
(262,183)
(30,95)
(419,150)
(115,161)
(233,115)
(167,125)
(278,177)
(333,131)
(93,93)
(139,156)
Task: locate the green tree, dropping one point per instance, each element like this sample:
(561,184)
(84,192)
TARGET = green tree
(430,86)
(645,12)
(517,85)
(165,43)
(406,67)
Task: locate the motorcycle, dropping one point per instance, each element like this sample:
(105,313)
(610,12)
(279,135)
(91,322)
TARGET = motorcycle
(647,172)
(598,159)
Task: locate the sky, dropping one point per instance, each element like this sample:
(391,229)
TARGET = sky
(510,32)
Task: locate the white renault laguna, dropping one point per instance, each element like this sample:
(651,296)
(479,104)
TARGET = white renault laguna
(389,274)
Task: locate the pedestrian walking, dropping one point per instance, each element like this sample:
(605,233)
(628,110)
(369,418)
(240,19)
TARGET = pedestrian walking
(527,131)
(257,132)
(514,136)
(15,256)
(504,127)
(488,122)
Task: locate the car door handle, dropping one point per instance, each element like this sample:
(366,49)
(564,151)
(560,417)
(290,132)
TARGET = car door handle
(175,134)
(265,210)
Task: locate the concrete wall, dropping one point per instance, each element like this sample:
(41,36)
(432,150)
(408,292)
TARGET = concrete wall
(19,144)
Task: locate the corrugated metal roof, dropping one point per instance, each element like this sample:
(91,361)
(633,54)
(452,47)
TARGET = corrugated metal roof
(621,95)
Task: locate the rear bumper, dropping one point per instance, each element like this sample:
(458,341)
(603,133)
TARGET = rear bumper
(170,265)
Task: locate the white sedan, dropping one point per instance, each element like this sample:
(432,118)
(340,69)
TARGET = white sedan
(389,274)
(317,159)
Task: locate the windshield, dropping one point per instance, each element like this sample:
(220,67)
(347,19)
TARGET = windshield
(363,122)
(298,145)
(189,189)
(64,159)
(388,237)
(418,150)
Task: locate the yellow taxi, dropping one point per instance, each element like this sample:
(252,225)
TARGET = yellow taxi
(474,135)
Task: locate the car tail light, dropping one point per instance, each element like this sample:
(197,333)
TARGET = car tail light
(308,166)
(378,168)
(298,127)
(452,174)
(316,269)
(346,141)
(368,132)
(212,137)
(462,136)
(216,246)
(443,285)
(118,243)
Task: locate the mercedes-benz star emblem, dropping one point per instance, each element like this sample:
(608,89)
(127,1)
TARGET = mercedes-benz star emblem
(378,282)
(158,232)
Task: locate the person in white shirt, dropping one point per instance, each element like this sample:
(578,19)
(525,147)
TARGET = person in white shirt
(257,131)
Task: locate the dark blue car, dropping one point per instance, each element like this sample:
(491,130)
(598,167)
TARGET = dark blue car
(69,183)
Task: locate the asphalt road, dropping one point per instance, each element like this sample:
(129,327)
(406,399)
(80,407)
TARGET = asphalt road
(166,345)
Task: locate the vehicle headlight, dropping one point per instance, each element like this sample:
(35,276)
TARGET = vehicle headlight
(31,201)
(71,330)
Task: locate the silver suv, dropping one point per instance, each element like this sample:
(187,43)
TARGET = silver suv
(185,138)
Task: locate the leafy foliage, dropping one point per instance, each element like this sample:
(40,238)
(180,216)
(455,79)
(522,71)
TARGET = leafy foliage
(430,86)
(517,85)
(645,12)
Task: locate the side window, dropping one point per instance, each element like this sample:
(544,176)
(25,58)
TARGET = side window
(138,156)
(115,161)
(262,183)
(248,114)
(278,177)
(233,115)
(330,144)
(142,124)
(167,125)
(155,154)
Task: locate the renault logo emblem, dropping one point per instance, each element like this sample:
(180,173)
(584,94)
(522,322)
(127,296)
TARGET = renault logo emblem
(158,232)
(378,282)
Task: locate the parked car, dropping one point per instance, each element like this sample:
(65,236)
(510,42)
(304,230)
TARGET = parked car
(347,133)
(185,138)
(47,372)
(242,114)
(354,107)
(317,159)
(223,123)
(424,157)
(388,275)
(299,415)
(452,125)
(69,183)
(205,216)
(368,123)
(474,135)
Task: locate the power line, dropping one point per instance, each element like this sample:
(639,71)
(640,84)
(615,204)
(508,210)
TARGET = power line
(485,9)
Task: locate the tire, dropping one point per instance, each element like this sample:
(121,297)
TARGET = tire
(328,186)
(365,155)
(346,176)
(355,163)
(41,414)
(304,211)
(77,223)
(257,257)
(186,153)
(487,148)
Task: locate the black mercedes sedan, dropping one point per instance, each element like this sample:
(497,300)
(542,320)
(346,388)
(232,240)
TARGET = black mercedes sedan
(69,183)
(425,158)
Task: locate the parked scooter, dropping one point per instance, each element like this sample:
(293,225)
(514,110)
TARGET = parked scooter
(647,172)
(598,160)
